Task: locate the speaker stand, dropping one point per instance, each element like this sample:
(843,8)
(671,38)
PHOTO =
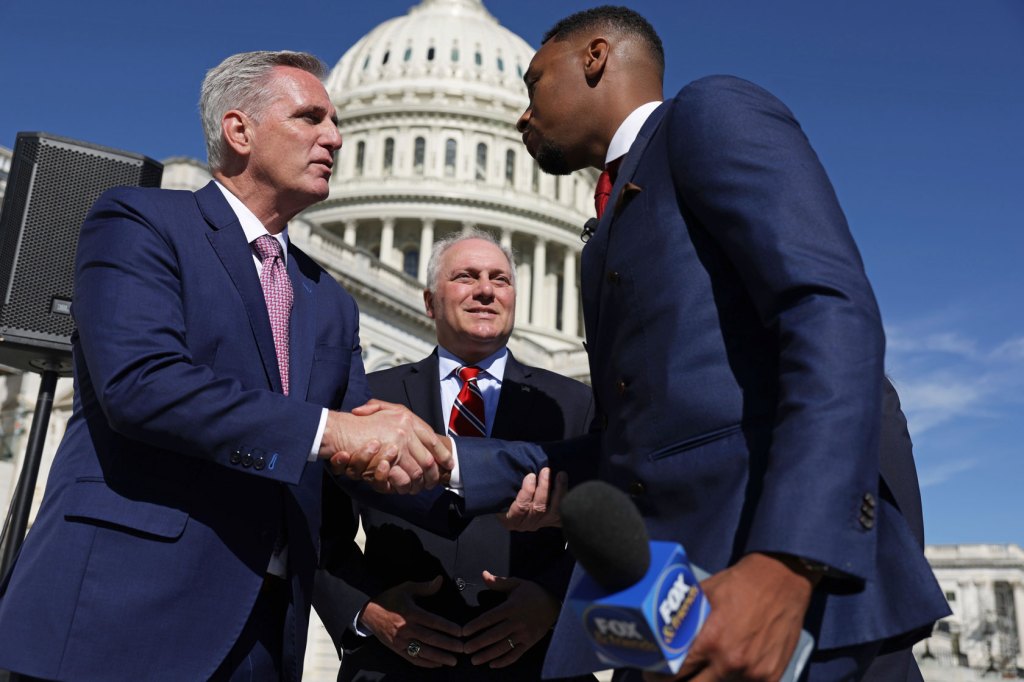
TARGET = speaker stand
(21,505)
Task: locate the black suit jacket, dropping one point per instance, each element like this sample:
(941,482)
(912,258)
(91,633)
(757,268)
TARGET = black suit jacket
(534,405)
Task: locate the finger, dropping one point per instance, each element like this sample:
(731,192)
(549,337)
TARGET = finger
(539,503)
(434,646)
(371,407)
(503,612)
(499,583)
(510,656)
(494,650)
(398,480)
(438,447)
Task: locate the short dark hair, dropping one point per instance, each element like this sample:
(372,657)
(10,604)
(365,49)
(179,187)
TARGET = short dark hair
(622,19)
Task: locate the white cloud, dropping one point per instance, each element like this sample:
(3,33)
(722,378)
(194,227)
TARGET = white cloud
(946,375)
(940,473)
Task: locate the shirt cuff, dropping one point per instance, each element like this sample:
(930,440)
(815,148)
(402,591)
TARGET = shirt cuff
(455,482)
(314,454)
(361,632)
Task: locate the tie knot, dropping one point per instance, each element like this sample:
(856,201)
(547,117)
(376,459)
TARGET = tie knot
(468,373)
(267,247)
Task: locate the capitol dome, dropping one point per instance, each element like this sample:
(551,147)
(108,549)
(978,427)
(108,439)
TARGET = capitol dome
(427,104)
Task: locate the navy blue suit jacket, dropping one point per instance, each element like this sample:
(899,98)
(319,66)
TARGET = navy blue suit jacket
(182,461)
(534,405)
(736,353)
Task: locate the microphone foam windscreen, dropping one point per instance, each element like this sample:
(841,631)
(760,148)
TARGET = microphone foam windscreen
(606,534)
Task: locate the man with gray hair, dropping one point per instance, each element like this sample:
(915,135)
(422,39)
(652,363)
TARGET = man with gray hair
(467,599)
(177,539)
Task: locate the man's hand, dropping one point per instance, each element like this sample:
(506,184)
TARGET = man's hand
(521,620)
(387,445)
(536,506)
(757,609)
(395,620)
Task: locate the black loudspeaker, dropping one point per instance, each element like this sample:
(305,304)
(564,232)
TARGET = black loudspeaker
(52,184)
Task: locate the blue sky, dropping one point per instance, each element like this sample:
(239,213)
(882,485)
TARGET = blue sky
(916,109)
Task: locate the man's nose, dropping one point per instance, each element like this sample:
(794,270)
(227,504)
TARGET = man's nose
(332,138)
(524,120)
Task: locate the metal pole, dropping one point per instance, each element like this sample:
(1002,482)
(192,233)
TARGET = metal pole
(21,506)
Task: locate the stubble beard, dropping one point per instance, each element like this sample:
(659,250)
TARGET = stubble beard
(551,159)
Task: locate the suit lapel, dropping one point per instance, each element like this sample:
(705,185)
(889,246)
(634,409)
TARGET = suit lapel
(422,388)
(515,403)
(302,329)
(228,241)
(595,253)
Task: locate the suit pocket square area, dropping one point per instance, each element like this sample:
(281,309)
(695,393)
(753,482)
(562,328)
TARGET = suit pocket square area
(628,193)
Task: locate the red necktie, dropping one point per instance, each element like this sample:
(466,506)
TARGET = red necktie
(467,418)
(603,191)
(277,292)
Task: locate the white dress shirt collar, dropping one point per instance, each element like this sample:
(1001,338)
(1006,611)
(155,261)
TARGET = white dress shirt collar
(624,137)
(494,365)
(251,225)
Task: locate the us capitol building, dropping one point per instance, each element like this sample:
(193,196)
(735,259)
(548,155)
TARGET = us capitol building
(427,104)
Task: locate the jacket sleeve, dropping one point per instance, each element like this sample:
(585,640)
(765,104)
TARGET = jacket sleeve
(746,174)
(130,315)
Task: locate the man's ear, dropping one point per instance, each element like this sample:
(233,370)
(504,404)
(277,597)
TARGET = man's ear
(428,303)
(236,128)
(595,59)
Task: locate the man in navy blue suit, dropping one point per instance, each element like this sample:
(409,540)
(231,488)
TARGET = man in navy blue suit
(421,606)
(178,536)
(736,352)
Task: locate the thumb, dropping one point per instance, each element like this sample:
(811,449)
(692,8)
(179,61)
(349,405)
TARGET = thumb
(499,583)
(426,588)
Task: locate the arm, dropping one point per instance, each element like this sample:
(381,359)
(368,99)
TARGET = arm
(130,312)
(747,177)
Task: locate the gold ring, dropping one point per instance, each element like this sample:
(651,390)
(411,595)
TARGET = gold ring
(413,649)
(511,643)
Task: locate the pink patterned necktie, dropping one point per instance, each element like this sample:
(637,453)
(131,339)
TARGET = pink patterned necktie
(467,418)
(277,291)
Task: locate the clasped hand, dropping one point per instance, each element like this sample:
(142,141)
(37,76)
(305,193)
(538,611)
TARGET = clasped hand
(387,446)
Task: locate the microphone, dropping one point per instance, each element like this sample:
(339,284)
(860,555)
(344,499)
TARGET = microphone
(589,228)
(640,601)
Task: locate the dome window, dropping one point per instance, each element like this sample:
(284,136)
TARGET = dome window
(389,155)
(479,59)
(519,70)
(510,167)
(501,64)
(481,161)
(455,54)
(408,54)
(418,153)
(386,56)
(430,54)
(411,262)
(366,63)
(450,149)
(535,180)
(360,158)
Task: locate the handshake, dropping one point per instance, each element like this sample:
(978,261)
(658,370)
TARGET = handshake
(387,446)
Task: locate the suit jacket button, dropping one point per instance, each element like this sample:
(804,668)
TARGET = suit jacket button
(867,522)
(637,488)
(620,386)
(613,277)
(460,583)
(869,500)
(236,457)
(247,460)
(260,463)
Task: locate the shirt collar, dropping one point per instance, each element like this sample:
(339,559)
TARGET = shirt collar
(624,137)
(493,365)
(251,225)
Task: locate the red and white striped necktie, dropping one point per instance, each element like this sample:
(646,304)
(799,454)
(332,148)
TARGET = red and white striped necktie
(467,418)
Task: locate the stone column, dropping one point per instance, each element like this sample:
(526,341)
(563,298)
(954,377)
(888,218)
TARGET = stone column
(540,256)
(349,232)
(1018,608)
(426,243)
(387,241)
(570,304)
(468,226)
(506,238)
